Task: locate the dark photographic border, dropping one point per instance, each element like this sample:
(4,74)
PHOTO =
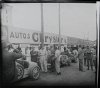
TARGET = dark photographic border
(62,1)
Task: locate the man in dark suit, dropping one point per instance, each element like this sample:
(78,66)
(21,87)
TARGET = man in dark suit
(81,58)
(89,58)
(19,48)
(34,55)
(52,59)
(8,63)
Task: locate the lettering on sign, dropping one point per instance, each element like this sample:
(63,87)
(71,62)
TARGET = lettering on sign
(19,35)
(54,39)
(35,37)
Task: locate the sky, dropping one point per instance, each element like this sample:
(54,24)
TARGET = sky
(76,19)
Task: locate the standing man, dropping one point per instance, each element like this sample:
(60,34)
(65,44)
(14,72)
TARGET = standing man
(85,59)
(28,56)
(10,48)
(94,56)
(48,54)
(52,59)
(75,52)
(19,48)
(62,49)
(81,57)
(43,60)
(89,58)
(66,52)
(8,63)
(33,55)
(57,61)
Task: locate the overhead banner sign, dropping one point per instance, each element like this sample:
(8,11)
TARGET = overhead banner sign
(18,35)
(63,40)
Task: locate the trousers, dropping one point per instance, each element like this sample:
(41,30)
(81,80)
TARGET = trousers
(43,63)
(57,65)
(28,58)
(52,63)
(94,62)
(90,63)
(85,61)
(81,64)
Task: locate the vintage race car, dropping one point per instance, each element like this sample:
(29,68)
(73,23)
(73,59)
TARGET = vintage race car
(64,60)
(26,69)
(74,59)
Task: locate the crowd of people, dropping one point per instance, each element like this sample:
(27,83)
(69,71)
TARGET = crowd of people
(44,55)
(87,57)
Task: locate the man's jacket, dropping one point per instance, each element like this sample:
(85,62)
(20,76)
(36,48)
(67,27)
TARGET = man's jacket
(9,64)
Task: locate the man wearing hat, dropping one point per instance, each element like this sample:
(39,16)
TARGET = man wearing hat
(8,63)
(43,59)
(75,53)
(57,61)
(94,56)
(81,58)
(28,55)
(52,56)
(89,58)
(33,55)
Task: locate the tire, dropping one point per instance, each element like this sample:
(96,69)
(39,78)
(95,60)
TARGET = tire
(35,73)
(69,62)
(63,60)
(20,71)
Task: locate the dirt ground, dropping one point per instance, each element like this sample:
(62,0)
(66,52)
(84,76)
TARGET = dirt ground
(70,76)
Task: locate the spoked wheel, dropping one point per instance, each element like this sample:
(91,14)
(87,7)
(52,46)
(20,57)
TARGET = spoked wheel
(63,60)
(20,71)
(35,73)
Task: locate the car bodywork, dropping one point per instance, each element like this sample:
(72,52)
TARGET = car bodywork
(26,69)
(65,60)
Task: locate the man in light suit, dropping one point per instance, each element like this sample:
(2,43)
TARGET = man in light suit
(81,58)
(43,59)
(57,61)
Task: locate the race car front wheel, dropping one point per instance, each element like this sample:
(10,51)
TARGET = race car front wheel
(20,71)
(35,73)
(63,60)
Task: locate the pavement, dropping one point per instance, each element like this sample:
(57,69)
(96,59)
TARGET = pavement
(70,76)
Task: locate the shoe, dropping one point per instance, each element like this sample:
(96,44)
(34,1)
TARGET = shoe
(88,69)
(52,71)
(45,71)
(59,73)
(83,70)
(92,69)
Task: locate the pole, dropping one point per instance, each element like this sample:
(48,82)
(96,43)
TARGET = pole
(42,26)
(88,38)
(59,29)
(84,40)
